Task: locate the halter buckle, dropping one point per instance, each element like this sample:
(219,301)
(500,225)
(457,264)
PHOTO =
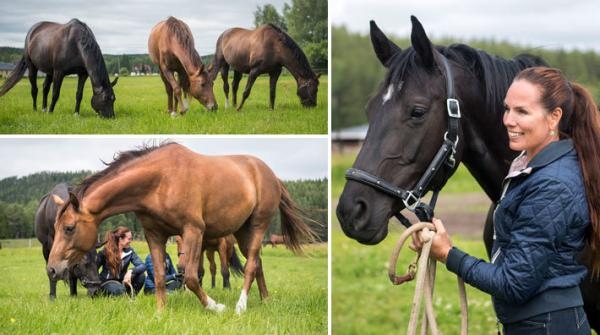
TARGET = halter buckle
(453,108)
(410,196)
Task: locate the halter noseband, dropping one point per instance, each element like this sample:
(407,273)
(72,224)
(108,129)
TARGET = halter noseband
(445,155)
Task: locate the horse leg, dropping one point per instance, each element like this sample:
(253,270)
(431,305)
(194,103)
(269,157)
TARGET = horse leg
(213,267)
(33,82)
(157,243)
(249,239)
(164,73)
(57,79)
(273,77)
(224,76)
(224,257)
(72,284)
(52,288)
(201,267)
(45,91)
(235,84)
(251,78)
(79,95)
(192,244)
(184,83)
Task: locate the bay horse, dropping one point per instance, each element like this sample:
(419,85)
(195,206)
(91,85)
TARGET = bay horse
(264,50)
(225,247)
(410,118)
(60,50)
(175,191)
(86,270)
(171,47)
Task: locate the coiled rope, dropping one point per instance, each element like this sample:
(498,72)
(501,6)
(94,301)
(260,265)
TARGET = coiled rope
(425,275)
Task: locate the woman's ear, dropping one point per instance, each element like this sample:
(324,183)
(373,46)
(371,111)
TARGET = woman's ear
(554,117)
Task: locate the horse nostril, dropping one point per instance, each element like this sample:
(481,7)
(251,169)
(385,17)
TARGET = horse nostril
(359,213)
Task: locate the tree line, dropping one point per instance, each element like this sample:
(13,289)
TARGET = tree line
(356,72)
(20,196)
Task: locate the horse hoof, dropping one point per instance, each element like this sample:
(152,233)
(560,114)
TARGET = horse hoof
(214,306)
(173,114)
(239,309)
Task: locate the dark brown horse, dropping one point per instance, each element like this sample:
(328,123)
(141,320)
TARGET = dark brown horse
(86,270)
(175,191)
(225,247)
(264,50)
(171,46)
(59,50)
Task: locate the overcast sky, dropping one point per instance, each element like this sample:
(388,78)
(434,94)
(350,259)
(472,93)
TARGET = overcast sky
(123,26)
(549,24)
(291,158)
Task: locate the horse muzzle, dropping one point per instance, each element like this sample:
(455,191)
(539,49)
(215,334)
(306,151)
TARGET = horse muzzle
(360,221)
(58,271)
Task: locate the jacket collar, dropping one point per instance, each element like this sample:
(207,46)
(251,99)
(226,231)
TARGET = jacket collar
(547,155)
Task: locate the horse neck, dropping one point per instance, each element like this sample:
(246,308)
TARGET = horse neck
(95,68)
(120,192)
(190,62)
(296,67)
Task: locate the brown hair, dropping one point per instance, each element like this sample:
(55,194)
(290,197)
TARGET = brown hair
(580,122)
(111,249)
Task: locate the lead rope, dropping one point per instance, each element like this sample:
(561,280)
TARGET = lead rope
(425,275)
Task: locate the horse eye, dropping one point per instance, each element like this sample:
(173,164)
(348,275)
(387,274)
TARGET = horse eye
(69,230)
(418,112)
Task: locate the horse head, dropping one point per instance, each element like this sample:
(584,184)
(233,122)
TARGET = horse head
(307,90)
(103,100)
(408,118)
(201,88)
(75,235)
(87,270)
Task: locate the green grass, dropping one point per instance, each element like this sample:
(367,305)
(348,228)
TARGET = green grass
(141,108)
(460,182)
(297,302)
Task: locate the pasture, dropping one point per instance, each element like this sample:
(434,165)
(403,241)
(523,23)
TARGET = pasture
(297,302)
(141,108)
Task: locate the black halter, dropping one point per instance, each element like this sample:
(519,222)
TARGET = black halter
(445,155)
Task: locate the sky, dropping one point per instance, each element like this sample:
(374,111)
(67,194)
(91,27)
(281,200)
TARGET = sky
(291,158)
(123,26)
(548,24)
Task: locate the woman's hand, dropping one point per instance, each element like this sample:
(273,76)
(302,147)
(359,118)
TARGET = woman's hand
(127,278)
(441,242)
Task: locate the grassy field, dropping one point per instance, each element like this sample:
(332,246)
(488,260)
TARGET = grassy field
(141,108)
(297,302)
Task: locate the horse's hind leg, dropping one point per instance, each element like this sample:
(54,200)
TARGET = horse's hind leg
(224,76)
(210,255)
(249,239)
(251,78)
(33,82)
(57,79)
(235,84)
(79,95)
(224,256)
(45,91)
(273,77)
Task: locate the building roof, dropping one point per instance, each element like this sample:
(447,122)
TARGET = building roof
(356,133)
(6,66)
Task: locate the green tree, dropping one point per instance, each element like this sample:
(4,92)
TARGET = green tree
(307,25)
(268,14)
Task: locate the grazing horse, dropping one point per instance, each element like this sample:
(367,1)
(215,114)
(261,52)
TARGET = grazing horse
(410,118)
(263,50)
(171,46)
(86,270)
(59,50)
(175,191)
(225,247)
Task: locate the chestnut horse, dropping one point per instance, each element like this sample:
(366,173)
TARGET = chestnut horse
(171,46)
(175,191)
(225,247)
(59,50)
(86,270)
(263,50)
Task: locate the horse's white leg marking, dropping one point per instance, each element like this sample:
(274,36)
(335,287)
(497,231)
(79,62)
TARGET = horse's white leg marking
(185,104)
(226,102)
(388,94)
(241,304)
(214,306)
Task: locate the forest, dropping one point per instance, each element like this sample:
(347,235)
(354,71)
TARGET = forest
(356,72)
(20,196)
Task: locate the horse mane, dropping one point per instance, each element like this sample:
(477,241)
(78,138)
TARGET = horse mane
(494,73)
(121,158)
(297,52)
(89,45)
(183,35)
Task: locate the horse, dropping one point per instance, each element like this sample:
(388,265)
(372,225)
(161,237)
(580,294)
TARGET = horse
(264,50)
(86,270)
(59,50)
(274,239)
(437,106)
(225,247)
(175,191)
(171,47)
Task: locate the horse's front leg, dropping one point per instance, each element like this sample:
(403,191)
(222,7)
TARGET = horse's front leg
(79,95)
(251,79)
(224,76)
(169,81)
(157,244)
(33,81)
(192,245)
(210,255)
(224,258)
(273,77)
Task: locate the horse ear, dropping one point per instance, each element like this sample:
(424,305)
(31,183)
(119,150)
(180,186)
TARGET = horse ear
(200,69)
(114,82)
(384,48)
(74,201)
(318,75)
(421,43)
(58,200)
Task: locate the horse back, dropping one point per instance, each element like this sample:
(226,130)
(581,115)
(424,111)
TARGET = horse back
(245,49)
(49,44)
(171,42)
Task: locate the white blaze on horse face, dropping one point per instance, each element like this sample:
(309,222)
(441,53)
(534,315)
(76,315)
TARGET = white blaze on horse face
(214,306)
(241,304)
(390,92)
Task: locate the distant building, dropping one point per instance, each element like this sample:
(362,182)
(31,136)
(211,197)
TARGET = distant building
(348,138)
(6,69)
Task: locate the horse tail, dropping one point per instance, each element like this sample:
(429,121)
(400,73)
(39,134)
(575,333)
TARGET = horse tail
(14,76)
(293,226)
(236,264)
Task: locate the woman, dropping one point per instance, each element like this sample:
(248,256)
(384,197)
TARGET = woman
(114,260)
(550,204)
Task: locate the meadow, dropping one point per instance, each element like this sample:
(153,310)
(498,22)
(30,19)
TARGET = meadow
(141,108)
(297,302)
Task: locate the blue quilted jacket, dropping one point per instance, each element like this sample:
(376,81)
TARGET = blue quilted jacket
(540,225)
